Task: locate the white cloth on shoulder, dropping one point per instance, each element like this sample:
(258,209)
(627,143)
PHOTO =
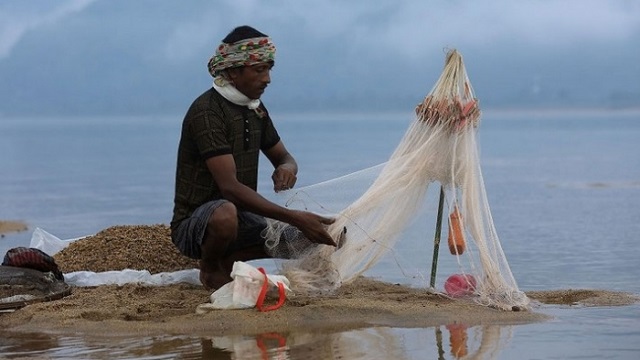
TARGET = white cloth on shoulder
(229,92)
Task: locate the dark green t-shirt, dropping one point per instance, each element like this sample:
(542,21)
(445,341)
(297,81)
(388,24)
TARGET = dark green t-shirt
(215,126)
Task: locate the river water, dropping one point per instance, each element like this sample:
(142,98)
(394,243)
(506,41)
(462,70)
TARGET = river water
(563,186)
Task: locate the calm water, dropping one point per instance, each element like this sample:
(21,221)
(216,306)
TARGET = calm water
(563,187)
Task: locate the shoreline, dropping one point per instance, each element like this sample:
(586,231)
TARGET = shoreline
(136,309)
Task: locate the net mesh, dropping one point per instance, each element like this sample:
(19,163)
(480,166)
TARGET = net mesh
(439,148)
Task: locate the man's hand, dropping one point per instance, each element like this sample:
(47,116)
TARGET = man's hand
(314,227)
(284,177)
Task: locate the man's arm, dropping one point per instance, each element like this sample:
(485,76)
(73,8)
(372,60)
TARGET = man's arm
(223,170)
(285,167)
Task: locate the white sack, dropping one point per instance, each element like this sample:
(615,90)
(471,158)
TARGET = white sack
(243,291)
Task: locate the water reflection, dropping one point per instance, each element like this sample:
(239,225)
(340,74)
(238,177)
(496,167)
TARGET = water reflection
(453,341)
(486,342)
(372,343)
(25,345)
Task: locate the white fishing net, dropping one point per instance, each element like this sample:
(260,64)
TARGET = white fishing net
(438,149)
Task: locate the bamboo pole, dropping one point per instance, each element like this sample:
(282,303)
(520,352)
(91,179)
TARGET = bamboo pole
(436,239)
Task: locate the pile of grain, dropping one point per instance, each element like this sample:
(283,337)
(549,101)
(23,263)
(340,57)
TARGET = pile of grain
(137,247)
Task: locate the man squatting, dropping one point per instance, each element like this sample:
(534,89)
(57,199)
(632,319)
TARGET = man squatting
(218,215)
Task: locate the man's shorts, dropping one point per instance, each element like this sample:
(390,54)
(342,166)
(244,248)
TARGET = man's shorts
(188,235)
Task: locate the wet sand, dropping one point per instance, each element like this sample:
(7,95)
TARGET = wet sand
(138,309)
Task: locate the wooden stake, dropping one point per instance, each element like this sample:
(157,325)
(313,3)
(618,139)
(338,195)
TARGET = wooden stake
(436,239)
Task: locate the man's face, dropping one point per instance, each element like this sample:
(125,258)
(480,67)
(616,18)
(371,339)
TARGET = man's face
(252,80)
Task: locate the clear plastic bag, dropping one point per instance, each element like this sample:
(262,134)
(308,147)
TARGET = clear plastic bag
(48,243)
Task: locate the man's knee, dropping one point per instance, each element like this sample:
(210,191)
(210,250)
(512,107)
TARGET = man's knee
(224,220)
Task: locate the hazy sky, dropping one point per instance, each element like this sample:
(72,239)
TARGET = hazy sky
(149,56)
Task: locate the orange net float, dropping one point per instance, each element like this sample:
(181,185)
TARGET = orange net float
(458,340)
(456,241)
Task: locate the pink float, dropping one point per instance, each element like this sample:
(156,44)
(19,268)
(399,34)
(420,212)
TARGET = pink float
(458,285)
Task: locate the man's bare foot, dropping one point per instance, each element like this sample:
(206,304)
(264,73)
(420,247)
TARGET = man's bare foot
(214,279)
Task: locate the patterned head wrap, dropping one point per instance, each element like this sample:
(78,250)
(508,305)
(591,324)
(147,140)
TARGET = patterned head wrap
(245,52)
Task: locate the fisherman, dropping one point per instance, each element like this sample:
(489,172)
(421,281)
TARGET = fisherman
(218,215)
